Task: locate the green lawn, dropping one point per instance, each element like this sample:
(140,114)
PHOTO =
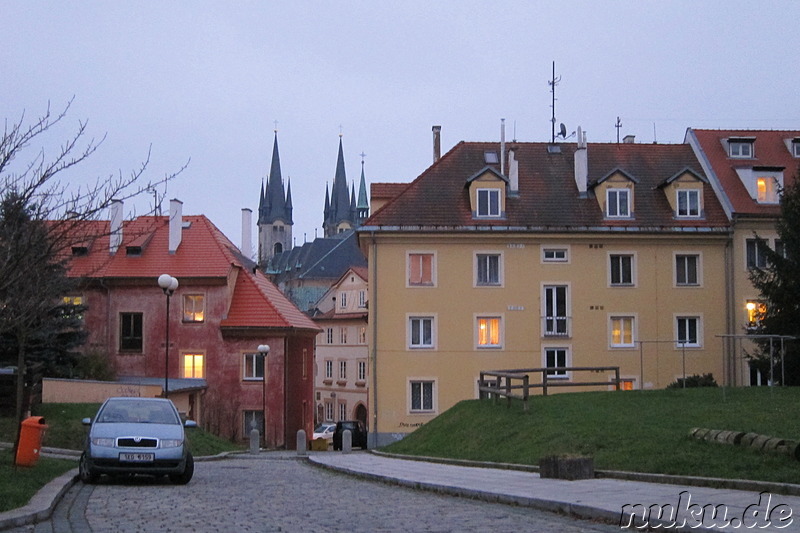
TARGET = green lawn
(65,430)
(641,431)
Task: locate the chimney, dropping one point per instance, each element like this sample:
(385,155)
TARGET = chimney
(115,238)
(513,171)
(247,223)
(175,224)
(437,143)
(581,163)
(629,139)
(503,146)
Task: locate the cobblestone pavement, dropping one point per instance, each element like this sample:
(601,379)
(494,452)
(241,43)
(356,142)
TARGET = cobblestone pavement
(279,493)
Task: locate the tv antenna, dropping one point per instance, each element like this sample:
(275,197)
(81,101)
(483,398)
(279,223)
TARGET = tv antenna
(618,125)
(562,129)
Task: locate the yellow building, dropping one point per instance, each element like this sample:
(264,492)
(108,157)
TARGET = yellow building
(747,169)
(536,255)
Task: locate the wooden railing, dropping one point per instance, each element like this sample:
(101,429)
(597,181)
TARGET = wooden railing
(516,383)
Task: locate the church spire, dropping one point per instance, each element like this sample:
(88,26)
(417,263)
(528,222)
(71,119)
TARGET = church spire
(362,206)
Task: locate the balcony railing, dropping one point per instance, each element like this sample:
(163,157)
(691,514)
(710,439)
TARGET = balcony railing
(556,326)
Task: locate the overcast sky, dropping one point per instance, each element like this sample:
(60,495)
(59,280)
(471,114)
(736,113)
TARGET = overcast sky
(206,81)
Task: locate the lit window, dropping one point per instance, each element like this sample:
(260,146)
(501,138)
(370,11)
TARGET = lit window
(686,270)
(488,269)
(193,307)
(755,313)
(420,269)
(627,384)
(422,396)
(193,365)
(420,332)
(72,305)
(688,331)
(622,331)
(767,190)
(740,149)
(253,367)
(556,358)
(489,332)
(618,203)
(689,203)
(488,202)
(621,269)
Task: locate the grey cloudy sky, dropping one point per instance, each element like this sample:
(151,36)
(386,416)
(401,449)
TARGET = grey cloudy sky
(206,80)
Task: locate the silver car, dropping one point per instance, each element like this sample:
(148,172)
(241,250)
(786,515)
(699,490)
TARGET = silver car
(137,436)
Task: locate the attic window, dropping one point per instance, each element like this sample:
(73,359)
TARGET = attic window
(488,202)
(740,148)
(553,148)
(80,251)
(491,158)
(133,250)
(796,147)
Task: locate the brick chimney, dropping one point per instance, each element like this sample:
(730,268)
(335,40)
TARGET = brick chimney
(247,240)
(115,238)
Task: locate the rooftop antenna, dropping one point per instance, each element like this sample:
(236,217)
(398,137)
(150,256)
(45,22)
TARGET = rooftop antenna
(618,125)
(552,83)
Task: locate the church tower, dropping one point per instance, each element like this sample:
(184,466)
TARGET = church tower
(340,208)
(274,212)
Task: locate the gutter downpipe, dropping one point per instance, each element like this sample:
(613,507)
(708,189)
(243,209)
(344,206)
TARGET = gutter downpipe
(372,314)
(730,312)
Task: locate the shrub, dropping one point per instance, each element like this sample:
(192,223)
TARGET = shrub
(696,380)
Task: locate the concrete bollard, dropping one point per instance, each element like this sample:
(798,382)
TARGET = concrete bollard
(301,444)
(347,441)
(255,439)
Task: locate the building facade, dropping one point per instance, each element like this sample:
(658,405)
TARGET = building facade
(536,255)
(222,310)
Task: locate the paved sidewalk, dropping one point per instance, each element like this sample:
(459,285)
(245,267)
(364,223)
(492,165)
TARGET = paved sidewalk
(599,498)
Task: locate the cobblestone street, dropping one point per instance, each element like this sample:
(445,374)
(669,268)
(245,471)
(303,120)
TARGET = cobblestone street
(284,494)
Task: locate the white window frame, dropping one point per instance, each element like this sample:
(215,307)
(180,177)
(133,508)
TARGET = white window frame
(632,256)
(698,269)
(253,359)
(489,211)
(563,374)
(194,308)
(500,332)
(329,411)
(760,260)
(698,325)
(362,370)
(557,254)
(773,181)
(342,369)
(735,149)
(551,321)
(796,148)
(362,298)
(343,335)
(624,319)
(423,408)
(618,202)
(688,211)
(413,319)
(485,256)
(329,335)
(342,300)
(328,369)
(343,410)
(409,283)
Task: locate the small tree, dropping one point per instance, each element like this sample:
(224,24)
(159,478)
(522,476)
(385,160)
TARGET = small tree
(40,219)
(778,282)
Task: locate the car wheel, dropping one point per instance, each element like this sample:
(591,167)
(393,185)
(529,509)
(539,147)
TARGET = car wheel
(85,471)
(186,476)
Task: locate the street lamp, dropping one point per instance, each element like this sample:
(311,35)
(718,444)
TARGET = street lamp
(263,351)
(168,284)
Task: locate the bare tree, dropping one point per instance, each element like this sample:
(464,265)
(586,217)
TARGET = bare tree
(42,217)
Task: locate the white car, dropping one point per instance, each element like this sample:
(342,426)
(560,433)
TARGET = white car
(324,431)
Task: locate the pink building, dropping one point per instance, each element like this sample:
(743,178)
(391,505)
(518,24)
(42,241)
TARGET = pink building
(222,310)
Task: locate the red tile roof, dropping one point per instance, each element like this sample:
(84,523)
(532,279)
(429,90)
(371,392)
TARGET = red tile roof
(548,197)
(203,254)
(769,149)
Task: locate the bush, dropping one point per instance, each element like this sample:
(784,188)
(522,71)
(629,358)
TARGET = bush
(696,380)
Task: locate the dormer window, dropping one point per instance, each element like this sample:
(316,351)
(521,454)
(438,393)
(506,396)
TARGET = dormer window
(134,251)
(767,189)
(488,202)
(688,202)
(796,147)
(618,203)
(740,148)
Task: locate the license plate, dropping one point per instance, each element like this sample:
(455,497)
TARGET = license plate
(137,457)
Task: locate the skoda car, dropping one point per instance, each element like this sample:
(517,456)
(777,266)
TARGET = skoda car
(137,436)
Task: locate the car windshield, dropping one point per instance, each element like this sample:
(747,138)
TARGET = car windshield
(137,411)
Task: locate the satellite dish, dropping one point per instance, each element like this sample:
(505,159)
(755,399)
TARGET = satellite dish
(563,131)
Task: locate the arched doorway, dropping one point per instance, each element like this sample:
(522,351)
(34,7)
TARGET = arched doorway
(361,413)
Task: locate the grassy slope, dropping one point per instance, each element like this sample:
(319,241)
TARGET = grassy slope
(645,431)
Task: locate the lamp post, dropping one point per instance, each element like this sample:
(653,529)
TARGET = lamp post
(263,351)
(168,284)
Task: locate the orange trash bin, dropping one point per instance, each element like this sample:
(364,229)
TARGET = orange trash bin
(30,440)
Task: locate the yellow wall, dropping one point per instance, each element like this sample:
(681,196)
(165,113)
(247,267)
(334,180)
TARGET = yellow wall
(455,362)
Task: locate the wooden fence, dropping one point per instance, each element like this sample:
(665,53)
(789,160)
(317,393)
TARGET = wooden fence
(517,383)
